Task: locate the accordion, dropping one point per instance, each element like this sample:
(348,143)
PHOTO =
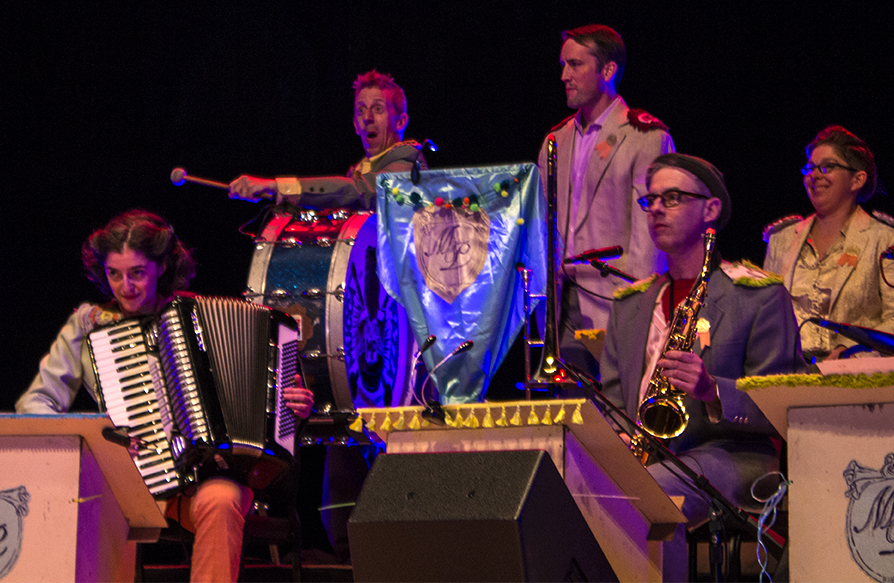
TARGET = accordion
(200,386)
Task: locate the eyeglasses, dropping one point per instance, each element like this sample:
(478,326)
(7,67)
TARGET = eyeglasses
(824,168)
(669,198)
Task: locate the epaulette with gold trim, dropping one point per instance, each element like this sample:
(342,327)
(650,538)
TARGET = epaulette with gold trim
(883,217)
(561,123)
(780,224)
(747,274)
(644,121)
(636,287)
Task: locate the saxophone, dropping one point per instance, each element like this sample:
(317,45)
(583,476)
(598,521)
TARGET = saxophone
(662,412)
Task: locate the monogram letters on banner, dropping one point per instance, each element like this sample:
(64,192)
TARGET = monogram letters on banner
(448,250)
(451,247)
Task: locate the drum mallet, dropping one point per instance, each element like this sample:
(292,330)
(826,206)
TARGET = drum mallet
(178,177)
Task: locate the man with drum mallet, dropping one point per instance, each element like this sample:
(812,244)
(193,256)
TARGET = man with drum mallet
(380,118)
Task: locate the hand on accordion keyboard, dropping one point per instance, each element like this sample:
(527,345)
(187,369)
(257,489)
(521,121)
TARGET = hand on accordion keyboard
(299,399)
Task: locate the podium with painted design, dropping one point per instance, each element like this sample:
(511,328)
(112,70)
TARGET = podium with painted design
(840,432)
(79,500)
(624,507)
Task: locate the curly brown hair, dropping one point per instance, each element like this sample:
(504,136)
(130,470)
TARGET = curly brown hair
(147,233)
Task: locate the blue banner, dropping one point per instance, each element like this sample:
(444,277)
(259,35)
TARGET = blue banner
(449,248)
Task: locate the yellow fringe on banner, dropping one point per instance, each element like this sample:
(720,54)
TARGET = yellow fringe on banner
(470,416)
(577,418)
(532,417)
(560,416)
(516,417)
(502,422)
(488,420)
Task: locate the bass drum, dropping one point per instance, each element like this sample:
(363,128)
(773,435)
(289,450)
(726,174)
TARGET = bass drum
(355,345)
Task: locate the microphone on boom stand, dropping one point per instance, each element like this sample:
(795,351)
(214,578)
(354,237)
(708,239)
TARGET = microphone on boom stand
(415,366)
(433,410)
(604,253)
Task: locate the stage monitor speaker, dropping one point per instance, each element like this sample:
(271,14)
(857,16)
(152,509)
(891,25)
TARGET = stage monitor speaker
(471,516)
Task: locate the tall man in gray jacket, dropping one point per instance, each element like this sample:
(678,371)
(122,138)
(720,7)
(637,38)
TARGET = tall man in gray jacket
(603,151)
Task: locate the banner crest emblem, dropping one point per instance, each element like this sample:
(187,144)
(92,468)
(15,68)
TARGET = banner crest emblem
(451,248)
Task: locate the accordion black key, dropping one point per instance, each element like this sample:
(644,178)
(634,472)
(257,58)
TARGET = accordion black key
(201,385)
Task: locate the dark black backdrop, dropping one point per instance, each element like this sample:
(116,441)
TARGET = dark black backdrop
(102,101)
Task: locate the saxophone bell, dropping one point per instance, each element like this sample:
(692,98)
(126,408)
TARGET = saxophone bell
(662,413)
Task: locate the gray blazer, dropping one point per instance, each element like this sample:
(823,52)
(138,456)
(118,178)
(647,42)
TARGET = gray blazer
(608,212)
(356,191)
(752,330)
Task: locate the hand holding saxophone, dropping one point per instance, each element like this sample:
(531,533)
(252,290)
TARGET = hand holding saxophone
(687,372)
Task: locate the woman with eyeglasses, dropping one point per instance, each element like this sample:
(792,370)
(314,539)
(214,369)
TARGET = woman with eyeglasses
(831,261)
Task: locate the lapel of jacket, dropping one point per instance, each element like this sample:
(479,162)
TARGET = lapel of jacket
(598,165)
(802,231)
(564,146)
(713,310)
(854,239)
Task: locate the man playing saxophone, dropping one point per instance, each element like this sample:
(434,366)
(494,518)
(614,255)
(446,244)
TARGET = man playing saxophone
(745,326)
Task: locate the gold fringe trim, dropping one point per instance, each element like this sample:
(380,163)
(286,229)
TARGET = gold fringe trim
(473,416)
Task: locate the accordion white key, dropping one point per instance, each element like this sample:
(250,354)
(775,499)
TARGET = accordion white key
(201,385)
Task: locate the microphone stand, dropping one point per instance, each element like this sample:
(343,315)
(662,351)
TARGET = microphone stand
(416,363)
(721,508)
(433,410)
(605,270)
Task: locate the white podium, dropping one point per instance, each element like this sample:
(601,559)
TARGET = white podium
(624,507)
(86,505)
(828,427)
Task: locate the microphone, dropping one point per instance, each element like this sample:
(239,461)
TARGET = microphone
(433,410)
(604,253)
(888,253)
(415,173)
(426,345)
(179,176)
(881,341)
(415,366)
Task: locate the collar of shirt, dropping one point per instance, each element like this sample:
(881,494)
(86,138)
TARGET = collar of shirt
(365,165)
(598,122)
